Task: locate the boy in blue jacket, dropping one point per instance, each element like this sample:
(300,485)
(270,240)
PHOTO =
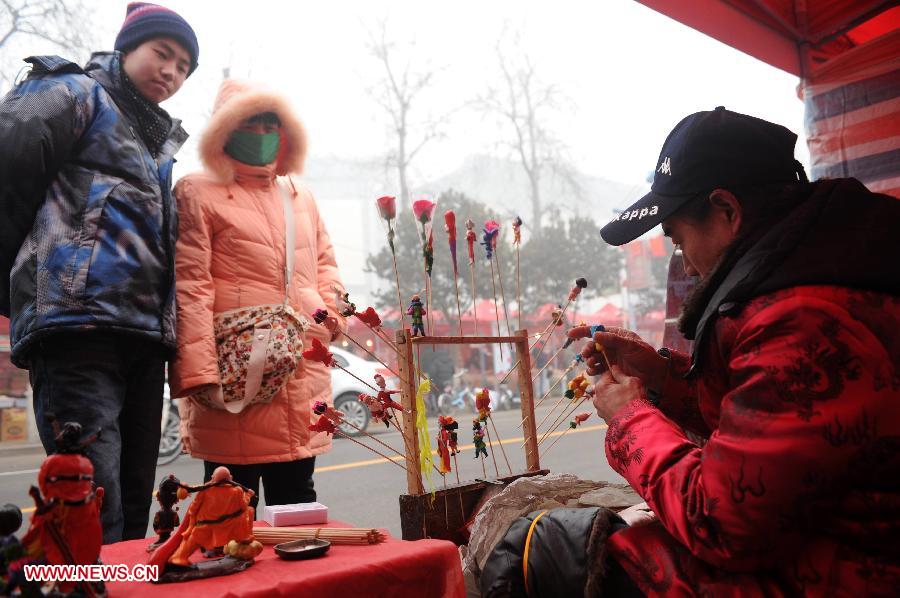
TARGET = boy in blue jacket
(87,239)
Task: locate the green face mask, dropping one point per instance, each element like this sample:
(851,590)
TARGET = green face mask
(255,149)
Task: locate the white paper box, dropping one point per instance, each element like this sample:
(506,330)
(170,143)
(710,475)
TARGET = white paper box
(306,513)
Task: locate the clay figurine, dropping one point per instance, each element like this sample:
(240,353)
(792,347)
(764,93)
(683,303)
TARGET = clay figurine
(417,310)
(65,528)
(166,519)
(451,425)
(219,521)
(329,418)
(11,573)
(478,438)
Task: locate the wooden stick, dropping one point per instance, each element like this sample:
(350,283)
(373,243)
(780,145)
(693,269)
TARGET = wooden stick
(372,355)
(549,330)
(391,421)
(502,292)
(555,441)
(546,365)
(462,509)
(474,301)
(487,433)
(383,336)
(496,309)
(608,366)
(500,442)
(382,455)
(355,376)
(397,279)
(549,413)
(335,535)
(446,506)
(547,394)
(565,413)
(361,431)
(458,308)
(519,286)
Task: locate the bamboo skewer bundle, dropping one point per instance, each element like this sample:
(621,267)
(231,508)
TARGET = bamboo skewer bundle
(335,535)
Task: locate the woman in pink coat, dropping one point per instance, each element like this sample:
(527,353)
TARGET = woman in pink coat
(230,254)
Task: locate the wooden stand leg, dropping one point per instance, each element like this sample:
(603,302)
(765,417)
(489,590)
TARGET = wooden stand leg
(532,459)
(406,367)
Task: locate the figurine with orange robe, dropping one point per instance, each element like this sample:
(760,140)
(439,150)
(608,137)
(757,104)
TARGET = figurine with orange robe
(219,513)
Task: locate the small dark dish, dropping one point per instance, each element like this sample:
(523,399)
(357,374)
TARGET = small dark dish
(302,549)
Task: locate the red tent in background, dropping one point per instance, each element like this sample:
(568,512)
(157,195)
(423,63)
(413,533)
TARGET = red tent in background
(608,315)
(847,54)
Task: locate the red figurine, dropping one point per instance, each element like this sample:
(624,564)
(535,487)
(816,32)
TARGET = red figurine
(319,352)
(579,419)
(65,528)
(471,236)
(370,318)
(451,425)
(376,408)
(483,403)
(329,418)
(384,395)
(443,448)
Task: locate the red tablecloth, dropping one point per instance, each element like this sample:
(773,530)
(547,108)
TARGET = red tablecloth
(393,568)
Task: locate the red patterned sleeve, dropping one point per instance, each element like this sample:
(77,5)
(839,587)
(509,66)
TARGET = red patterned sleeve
(797,423)
(678,397)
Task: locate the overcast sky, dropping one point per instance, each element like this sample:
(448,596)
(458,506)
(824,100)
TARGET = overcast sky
(630,73)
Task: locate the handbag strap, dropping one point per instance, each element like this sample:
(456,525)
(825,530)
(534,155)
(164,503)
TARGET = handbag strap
(260,343)
(289,238)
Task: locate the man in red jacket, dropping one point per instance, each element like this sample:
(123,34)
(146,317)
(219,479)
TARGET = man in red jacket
(793,385)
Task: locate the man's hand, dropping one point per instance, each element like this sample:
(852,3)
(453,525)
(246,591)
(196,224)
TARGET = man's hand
(624,349)
(611,395)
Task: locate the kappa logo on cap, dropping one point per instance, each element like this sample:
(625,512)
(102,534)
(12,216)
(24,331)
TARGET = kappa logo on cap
(665,167)
(638,214)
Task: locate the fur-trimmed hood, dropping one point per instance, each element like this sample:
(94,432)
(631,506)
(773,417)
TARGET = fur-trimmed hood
(237,101)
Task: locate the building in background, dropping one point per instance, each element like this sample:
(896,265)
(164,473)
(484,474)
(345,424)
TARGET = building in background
(15,394)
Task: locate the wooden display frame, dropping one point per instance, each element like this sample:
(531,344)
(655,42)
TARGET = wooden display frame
(425,515)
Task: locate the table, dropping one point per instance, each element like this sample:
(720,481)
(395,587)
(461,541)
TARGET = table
(394,568)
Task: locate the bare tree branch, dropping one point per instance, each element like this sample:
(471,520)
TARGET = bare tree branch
(397,93)
(522,103)
(63,23)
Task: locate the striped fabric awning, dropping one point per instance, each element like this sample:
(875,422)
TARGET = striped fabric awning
(853,116)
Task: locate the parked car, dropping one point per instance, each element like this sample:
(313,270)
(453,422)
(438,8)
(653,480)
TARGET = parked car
(170,437)
(346,389)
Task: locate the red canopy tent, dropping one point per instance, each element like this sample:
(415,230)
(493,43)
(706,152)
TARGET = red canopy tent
(847,54)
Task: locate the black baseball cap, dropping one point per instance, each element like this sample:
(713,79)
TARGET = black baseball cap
(707,151)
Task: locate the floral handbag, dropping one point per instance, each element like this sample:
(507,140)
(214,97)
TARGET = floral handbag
(258,347)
